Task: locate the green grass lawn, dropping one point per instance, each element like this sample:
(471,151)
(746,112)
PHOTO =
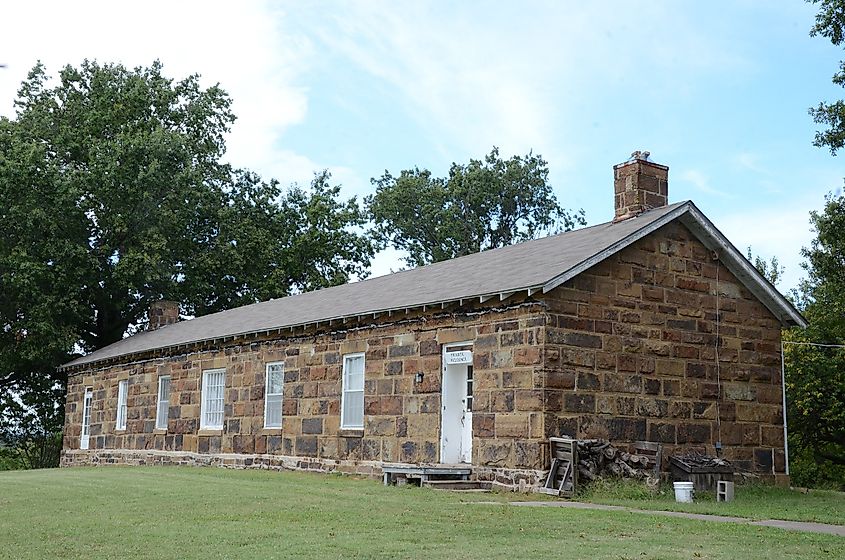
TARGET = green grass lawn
(218,513)
(754,501)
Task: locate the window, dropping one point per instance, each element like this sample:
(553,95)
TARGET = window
(352,400)
(122,388)
(163,406)
(86,418)
(274,383)
(211,409)
(469,388)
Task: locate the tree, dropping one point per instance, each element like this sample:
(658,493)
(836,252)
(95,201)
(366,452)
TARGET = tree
(481,205)
(113,195)
(31,419)
(771,270)
(830,23)
(815,356)
(815,364)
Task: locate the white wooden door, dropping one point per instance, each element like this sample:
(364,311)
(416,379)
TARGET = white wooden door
(466,420)
(86,419)
(456,405)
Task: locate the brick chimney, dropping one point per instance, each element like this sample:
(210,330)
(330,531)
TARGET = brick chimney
(162,313)
(639,185)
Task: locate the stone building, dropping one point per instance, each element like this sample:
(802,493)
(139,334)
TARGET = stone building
(649,327)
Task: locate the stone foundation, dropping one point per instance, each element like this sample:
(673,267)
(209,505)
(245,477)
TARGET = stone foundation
(524,480)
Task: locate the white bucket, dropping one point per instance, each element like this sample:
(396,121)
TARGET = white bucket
(683,492)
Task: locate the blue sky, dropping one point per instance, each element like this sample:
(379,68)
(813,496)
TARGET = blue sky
(717,91)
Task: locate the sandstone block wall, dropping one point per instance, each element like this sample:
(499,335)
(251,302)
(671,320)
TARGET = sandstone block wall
(633,352)
(401,416)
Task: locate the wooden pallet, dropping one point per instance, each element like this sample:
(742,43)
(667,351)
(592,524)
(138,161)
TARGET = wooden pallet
(563,475)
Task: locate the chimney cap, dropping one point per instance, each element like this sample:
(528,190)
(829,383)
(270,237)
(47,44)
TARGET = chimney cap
(641,155)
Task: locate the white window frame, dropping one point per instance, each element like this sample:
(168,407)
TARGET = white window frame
(345,390)
(122,394)
(267,394)
(85,434)
(160,400)
(205,397)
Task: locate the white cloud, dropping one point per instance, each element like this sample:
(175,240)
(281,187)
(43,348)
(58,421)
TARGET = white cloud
(247,47)
(700,182)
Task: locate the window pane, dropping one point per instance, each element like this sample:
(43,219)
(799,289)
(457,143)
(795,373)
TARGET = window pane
(353,392)
(275,379)
(163,402)
(353,409)
(274,412)
(212,399)
(121,404)
(354,373)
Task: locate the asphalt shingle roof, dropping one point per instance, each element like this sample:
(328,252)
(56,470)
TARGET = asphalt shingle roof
(517,267)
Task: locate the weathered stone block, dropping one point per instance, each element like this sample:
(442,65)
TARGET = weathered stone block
(653,408)
(613,429)
(528,455)
(560,379)
(393,368)
(622,383)
(446,336)
(306,446)
(423,426)
(528,399)
(661,432)
(673,368)
(520,379)
(495,453)
(408,452)
(693,433)
(502,401)
(577,402)
(483,425)
(588,382)
(511,425)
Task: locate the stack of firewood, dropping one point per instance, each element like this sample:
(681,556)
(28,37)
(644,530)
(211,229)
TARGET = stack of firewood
(598,458)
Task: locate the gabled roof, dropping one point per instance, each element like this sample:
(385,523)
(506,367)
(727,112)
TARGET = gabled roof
(537,265)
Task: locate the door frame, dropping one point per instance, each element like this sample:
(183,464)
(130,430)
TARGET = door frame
(443,393)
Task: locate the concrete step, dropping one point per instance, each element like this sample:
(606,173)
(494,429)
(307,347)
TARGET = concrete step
(461,485)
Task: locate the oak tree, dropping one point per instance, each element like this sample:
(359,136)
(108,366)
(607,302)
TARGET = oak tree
(480,205)
(114,193)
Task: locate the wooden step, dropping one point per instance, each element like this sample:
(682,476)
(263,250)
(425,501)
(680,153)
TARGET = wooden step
(458,485)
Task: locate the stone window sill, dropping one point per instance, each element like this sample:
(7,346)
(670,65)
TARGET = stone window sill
(160,431)
(207,432)
(271,431)
(351,432)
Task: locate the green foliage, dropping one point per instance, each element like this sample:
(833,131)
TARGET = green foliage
(31,419)
(113,195)
(815,375)
(771,270)
(481,205)
(830,23)
(808,471)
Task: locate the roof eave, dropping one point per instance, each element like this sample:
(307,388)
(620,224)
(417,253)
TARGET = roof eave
(498,296)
